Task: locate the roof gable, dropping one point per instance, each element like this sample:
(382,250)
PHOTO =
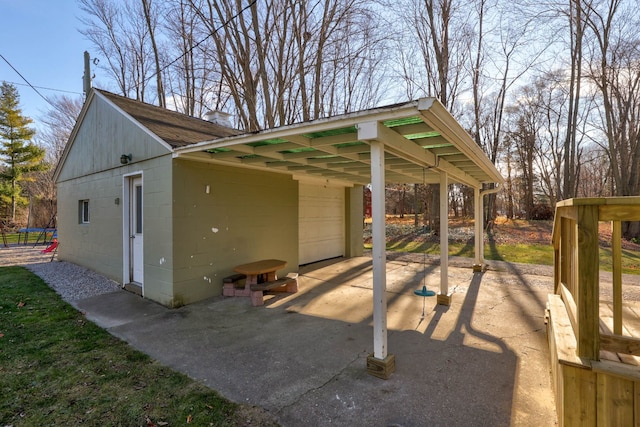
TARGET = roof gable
(176,129)
(169,129)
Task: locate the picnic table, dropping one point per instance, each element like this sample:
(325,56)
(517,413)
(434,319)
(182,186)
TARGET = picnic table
(260,271)
(260,276)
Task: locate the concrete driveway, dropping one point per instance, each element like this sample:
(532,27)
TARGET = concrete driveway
(483,361)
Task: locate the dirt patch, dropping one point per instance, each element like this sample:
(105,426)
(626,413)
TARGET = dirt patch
(247,415)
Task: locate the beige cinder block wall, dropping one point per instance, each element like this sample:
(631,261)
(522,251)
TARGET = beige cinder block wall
(158,230)
(92,171)
(225,216)
(96,245)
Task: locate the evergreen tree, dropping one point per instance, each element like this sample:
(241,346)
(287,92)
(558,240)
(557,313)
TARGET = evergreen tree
(18,155)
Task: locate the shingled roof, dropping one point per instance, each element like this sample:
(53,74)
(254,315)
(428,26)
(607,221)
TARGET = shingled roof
(176,129)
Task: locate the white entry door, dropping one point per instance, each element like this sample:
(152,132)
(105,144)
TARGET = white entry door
(136,240)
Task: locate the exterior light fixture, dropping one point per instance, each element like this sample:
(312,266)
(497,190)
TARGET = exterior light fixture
(125,158)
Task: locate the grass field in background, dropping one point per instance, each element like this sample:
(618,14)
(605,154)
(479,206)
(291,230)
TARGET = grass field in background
(523,253)
(12,238)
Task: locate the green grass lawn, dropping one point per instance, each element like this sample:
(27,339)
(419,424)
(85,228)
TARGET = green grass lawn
(57,368)
(527,254)
(12,238)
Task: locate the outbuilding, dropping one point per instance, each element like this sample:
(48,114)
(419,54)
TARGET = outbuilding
(168,204)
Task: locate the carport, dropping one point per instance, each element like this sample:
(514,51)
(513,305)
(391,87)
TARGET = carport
(413,142)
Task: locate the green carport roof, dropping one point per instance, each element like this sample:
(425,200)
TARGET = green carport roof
(421,139)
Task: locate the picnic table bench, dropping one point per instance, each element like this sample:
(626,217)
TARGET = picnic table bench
(259,276)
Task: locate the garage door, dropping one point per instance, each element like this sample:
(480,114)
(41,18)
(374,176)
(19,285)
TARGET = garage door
(321,222)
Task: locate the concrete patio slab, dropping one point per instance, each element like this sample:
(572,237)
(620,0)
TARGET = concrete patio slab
(483,360)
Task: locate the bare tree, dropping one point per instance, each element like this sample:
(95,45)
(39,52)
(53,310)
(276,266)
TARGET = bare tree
(595,174)
(151,18)
(442,37)
(614,70)
(576,15)
(524,137)
(56,127)
(194,81)
(286,61)
(494,78)
(104,29)
(119,31)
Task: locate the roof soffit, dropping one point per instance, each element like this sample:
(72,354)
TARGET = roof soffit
(421,140)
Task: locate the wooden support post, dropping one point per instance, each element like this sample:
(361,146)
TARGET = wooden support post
(587,299)
(479,238)
(566,255)
(444,297)
(556,270)
(379,364)
(616,255)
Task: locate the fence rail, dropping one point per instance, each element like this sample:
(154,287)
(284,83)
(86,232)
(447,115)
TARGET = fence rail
(577,272)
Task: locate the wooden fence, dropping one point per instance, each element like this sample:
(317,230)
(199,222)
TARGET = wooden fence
(590,391)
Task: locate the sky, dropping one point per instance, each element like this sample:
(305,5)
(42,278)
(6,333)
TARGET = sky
(40,39)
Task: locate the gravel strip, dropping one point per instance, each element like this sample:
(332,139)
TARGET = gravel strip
(71,281)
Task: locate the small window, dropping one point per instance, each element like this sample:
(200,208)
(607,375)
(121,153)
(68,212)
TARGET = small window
(138,197)
(83,208)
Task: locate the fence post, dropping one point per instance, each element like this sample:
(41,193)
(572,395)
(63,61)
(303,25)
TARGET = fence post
(588,271)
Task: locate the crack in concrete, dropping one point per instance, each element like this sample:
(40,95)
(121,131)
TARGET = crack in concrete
(314,389)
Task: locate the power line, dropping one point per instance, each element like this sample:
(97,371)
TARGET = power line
(47,88)
(227,22)
(27,82)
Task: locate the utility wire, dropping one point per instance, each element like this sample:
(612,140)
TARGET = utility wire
(47,88)
(27,82)
(227,22)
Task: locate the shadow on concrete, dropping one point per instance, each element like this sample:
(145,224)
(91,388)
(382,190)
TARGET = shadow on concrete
(458,373)
(480,361)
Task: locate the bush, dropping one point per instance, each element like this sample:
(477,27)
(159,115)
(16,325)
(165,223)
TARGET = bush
(542,212)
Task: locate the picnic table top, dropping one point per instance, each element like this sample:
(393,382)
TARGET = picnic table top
(261,267)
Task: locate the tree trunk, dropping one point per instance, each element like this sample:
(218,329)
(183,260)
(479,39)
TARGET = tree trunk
(146,6)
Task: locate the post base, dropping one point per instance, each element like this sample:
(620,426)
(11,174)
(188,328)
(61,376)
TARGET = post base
(479,268)
(381,368)
(443,299)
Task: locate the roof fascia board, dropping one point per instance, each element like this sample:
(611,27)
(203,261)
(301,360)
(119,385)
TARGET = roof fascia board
(319,125)
(438,117)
